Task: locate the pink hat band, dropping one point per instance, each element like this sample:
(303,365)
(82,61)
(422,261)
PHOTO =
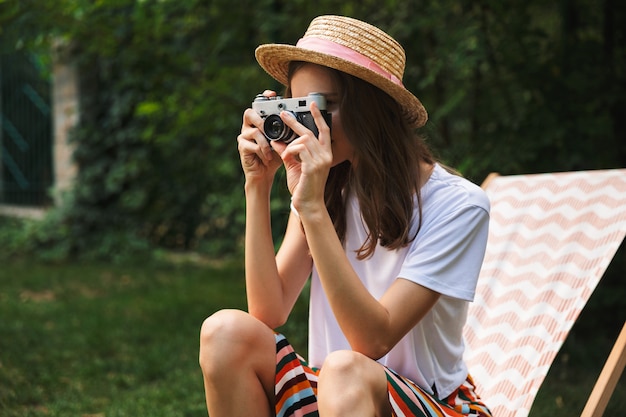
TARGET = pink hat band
(331,48)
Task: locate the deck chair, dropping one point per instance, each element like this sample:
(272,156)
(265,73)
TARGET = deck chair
(551,238)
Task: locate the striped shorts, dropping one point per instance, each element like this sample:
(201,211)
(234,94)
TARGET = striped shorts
(296,392)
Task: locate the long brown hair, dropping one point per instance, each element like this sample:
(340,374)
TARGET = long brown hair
(386,179)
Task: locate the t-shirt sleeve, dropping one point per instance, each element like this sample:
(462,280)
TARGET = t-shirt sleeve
(447,254)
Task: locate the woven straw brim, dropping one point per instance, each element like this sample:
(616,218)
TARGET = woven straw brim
(275,59)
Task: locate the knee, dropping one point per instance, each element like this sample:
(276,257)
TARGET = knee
(339,373)
(220,325)
(216,332)
(226,338)
(343,369)
(342,363)
(359,379)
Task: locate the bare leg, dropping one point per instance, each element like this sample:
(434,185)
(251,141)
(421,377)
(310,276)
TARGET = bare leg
(351,384)
(238,361)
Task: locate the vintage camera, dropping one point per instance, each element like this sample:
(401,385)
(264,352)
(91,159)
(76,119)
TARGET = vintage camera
(269,108)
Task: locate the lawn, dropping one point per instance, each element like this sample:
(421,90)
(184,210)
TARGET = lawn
(97,340)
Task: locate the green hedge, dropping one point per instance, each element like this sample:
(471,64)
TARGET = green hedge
(514,87)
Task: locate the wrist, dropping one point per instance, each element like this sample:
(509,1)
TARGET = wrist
(257,187)
(309,212)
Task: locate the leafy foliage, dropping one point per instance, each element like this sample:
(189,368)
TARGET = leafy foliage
(511,87)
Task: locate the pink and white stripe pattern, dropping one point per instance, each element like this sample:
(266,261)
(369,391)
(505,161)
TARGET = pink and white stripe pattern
(551,238)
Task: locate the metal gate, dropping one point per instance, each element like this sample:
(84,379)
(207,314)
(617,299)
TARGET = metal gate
(26,173)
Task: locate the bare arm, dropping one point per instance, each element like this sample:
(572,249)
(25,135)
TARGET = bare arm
(272,283)
(371,326)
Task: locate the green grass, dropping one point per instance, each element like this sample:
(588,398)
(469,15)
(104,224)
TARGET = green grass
(95,340)
(85,340)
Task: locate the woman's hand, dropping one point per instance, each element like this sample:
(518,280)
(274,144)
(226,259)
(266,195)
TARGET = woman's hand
(258,160)
(307,161)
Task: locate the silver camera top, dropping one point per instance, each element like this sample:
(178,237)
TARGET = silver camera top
(265,106)
(274,128)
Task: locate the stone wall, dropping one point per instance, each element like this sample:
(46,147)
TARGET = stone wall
(65,116)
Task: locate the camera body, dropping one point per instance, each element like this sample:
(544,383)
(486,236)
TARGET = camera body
(274,128)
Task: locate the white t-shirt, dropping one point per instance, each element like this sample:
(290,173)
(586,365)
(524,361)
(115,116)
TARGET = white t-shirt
(446,257)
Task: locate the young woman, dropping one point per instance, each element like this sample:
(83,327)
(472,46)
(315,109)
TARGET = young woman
(392,243)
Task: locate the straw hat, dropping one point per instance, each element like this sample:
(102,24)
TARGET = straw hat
(353,47)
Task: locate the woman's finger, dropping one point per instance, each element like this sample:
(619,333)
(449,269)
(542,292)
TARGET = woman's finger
(252,129)
(322,127)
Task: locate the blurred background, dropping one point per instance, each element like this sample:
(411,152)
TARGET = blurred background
(123,115)
(118,143)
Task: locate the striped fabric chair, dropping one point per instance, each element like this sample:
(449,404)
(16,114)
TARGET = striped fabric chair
(551,238)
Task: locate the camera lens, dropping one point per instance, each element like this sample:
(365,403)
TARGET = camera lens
(275,129)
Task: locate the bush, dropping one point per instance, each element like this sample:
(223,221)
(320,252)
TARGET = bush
(518,89)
